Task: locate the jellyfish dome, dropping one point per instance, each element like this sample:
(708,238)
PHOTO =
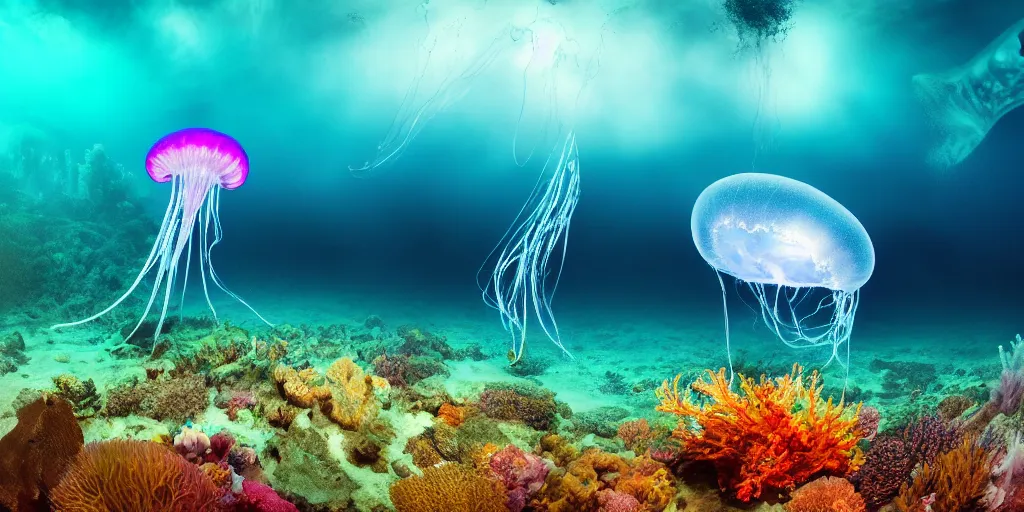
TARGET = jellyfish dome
(198,163)
(787,241)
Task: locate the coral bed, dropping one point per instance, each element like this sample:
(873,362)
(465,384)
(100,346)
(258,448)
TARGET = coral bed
(352,418)
(361,417)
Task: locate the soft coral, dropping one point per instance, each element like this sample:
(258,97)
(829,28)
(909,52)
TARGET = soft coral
(774,434)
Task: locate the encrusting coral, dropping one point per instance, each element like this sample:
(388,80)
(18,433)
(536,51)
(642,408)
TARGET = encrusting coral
(773,435)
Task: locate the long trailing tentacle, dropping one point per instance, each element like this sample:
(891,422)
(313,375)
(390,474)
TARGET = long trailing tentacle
(167,229)
(414,113)
(523,277)
(213,214)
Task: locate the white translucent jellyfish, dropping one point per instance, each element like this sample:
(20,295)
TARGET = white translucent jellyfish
(964,103)
(449,64)
(520,275)
(790,243)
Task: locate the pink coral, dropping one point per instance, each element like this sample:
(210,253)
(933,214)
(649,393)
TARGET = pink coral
(239,400)
(613,501)
(522,474)
(262,498)
(192,444)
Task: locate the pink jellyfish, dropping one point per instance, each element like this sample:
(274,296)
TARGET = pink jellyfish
(198,162)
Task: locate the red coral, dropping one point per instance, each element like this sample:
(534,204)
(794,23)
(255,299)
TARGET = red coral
(220,446)
(636,435)
(522,474)
(261,498)
(776,435)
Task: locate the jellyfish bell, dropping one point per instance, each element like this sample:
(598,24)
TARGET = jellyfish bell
(199,163)
(788,242)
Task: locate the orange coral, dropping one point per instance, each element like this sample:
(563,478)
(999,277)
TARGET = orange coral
(577,489)
(352,400)
(826,494)
(133,475)
(448,488)
(451,414)
(649,482)
(636,435)
(957,479)
(297,386)
(775,434)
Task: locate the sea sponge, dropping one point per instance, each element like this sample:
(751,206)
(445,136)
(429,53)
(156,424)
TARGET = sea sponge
(773,435)
(353,402)
(448,488)
(133,475)
(451,414)
(576,489)
(36,453)
(826,494)
(298,388)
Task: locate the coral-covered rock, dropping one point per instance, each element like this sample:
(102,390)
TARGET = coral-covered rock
(36,453)
(535,409)
(134,475)
(299,464)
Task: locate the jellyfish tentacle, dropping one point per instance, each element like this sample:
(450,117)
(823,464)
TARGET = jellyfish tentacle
(218,236)
(154,257)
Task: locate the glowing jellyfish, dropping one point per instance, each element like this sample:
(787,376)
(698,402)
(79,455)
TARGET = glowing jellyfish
(199,163)
(789,242)
(964,103)
(520,276)
(449,65)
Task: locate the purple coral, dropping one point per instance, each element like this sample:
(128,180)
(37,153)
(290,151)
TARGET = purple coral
(522,474)
(893,456)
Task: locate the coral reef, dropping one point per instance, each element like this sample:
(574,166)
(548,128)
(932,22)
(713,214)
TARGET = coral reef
(957,481)
(759,440)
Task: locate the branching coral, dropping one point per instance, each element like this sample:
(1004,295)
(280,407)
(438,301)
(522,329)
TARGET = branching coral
(134,475)
(958,480)
(826,494)
(773,435)
(448,488)
(636,435)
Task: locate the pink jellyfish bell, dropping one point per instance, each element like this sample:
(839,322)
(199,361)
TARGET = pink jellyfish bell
(199,163)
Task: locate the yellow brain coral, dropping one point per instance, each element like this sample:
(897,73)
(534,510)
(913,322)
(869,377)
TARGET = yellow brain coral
(133,475)
(448,488)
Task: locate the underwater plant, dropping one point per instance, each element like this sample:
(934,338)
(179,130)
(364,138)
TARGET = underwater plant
(772,435)
(198,162)
(787,241)
(965,102)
